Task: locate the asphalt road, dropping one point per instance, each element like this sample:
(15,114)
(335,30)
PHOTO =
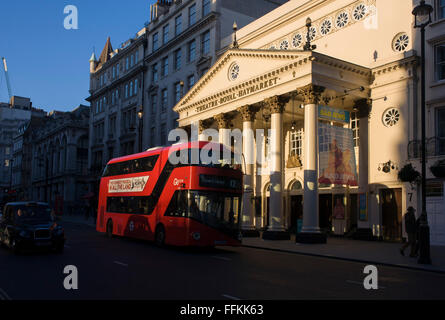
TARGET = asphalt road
(122,268)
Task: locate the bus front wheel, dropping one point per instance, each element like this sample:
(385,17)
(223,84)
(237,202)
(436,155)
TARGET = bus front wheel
(160,235)
(110,228)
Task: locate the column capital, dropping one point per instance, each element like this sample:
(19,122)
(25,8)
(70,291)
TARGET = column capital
(223,120)
(247,113)
(276,104)
(363,107)
(204,124)
(311,93)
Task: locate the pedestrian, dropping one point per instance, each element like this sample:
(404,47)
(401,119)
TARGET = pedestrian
(411,230)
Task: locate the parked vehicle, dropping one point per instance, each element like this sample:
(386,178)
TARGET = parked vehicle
(30,225)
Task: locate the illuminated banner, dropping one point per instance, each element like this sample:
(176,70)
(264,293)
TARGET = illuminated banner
(337,156)
(135,184)
(331,114)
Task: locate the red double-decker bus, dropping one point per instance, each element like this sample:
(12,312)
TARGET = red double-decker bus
(190,203)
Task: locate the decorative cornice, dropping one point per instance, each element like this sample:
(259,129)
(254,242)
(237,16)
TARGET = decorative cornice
(411,61)
(311,93)
(247,113)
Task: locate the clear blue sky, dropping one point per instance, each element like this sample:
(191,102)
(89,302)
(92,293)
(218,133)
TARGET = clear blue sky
(50,64)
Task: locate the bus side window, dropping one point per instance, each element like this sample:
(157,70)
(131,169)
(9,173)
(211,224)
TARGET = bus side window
(182,203)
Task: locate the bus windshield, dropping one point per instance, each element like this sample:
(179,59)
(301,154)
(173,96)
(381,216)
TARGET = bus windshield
(217,210)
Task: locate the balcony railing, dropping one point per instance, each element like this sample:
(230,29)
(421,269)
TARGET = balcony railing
(435,146)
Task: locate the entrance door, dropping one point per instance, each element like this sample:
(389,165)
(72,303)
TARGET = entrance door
(353,212)
(325,211)
(391,200)
(296,212)
(267,211)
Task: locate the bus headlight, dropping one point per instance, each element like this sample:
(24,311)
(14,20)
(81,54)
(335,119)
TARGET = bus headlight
(196,235)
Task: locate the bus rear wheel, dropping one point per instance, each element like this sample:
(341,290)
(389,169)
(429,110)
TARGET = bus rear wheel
(160,236)
(110,229)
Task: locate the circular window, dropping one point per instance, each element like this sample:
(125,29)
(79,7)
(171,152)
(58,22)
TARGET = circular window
(359,12)
(342,19)
(400,42)
(233,71)
(284,45)
(326,27)
(391,117)
(297,40)
(312,33)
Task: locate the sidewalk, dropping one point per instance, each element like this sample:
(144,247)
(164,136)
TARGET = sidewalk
(372,252)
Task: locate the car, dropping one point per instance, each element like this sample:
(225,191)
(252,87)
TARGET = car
(28,225)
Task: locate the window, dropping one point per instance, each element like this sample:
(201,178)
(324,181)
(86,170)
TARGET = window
(154,101)
(190,81)
(136,57)
(164,100)
(126,91)
(131,61)
(136,86)
(355,126)
(154,73)
(155,42)
(440,61)
(117,70)
(205,7)
(131,88)
(112,124)
(205,43)
(191,48)
(131,205)
(177,91)
(127,63)
(165,34)
(192,14)
(112,98)
(178,25)
(163,134)
(177,59)
(441,9)
(440,131)
(296,143)
(114,72)
(164,69)
(153,136)
(131,166)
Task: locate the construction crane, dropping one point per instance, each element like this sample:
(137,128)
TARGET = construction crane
(7,77)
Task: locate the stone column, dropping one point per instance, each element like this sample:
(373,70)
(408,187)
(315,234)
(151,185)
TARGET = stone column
(223,122)
(311,232)
(363,107)
(276,229)
(248,218)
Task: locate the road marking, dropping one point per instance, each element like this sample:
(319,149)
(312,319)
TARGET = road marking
(120,263)
(222,258)
(230,297)
(361,283)
(4,295)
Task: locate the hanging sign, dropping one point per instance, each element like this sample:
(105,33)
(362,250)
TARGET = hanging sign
(331,114)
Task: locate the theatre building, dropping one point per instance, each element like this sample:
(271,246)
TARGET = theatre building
(332,118)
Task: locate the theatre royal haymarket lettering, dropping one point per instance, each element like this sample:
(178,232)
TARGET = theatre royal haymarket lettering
(238,94)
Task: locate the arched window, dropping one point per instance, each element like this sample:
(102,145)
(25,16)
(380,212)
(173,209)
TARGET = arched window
(296,185)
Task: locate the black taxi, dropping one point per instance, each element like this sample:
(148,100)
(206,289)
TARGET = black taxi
(30,225)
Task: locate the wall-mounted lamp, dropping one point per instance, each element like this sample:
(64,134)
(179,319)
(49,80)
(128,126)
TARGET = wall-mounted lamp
(387,166)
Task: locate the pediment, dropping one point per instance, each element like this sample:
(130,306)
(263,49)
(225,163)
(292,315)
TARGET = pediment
(237,67)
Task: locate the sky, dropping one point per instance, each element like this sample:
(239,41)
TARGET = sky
(48,63)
